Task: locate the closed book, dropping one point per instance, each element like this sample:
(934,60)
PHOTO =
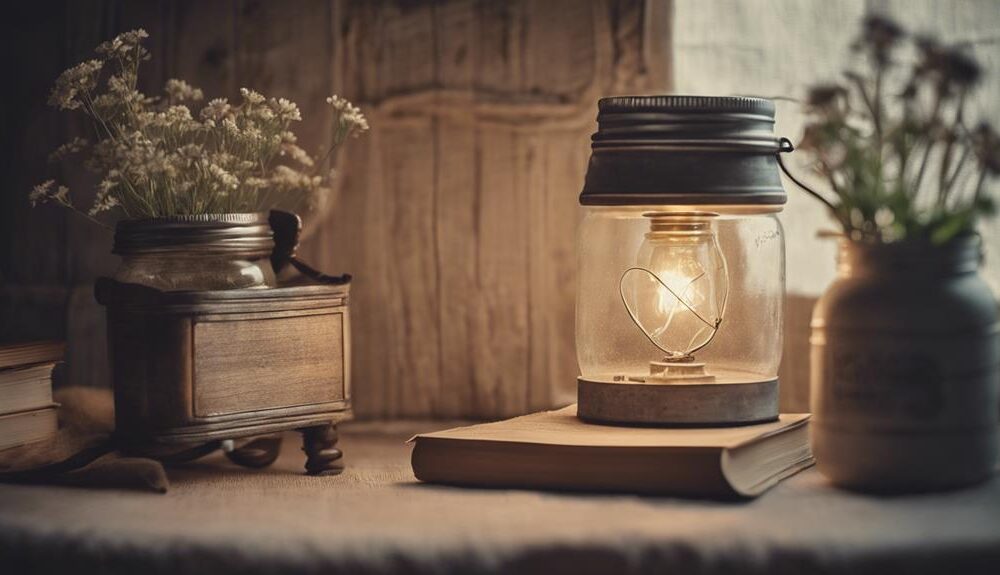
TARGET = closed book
(29,353)
(554,450)
(27,427)
(26,388)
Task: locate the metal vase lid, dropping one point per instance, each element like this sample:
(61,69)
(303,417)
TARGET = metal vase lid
(684,150)
(234,234)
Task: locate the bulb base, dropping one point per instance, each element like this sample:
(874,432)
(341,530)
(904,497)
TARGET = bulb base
(682,371)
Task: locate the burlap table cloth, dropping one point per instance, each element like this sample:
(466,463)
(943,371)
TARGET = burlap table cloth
(375,518)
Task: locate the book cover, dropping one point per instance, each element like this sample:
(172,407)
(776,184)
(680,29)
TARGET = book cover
(555,450)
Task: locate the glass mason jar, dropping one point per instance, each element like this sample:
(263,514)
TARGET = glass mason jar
(905,367)
(746,294)
(681,263)
(201,252)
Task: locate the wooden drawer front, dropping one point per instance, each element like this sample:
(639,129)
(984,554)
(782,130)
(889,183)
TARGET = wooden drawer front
(249,365)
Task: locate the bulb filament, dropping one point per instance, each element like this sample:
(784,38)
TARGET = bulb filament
(678,243)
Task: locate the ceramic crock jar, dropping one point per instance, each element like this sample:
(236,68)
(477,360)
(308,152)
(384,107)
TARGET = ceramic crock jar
(905,368)
(199,252)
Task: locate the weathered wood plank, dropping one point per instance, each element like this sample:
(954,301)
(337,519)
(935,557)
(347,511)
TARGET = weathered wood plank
(354,237)
(410,290)
(284,52)
(553,272)
(205,52)
(501,333)
(499,99)
(457,28)
(559,57)
(457,235)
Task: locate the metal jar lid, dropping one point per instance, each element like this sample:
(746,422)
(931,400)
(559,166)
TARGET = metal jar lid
(243,235)
(684,150)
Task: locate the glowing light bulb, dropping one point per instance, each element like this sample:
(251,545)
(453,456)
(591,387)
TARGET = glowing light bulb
(677,291)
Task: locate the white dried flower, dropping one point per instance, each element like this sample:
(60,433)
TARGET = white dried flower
(230,128)
(297,154)
(125,96)
(252,133)
(261,114)
(61,195)
(251,97)
(126,46)
(78,81)
(191,152)
(224,178)
(216,110)
(286,110)
(73,146)
(156,159)
(285,178)
(178,116)
(255,183)
(104,200)
(349,116)
(41,193)
(338,103)
(141,160)
(181,91)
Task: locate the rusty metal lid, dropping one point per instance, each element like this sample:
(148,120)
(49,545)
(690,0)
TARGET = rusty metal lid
(247,235)
(684,150)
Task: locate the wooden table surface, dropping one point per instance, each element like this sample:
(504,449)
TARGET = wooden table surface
(376,519)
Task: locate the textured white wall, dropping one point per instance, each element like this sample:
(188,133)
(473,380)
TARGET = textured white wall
(778,47)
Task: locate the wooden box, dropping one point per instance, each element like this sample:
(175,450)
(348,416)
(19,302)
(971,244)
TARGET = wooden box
(192,369)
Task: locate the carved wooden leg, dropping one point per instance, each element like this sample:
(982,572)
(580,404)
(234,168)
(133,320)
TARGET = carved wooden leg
(322,457)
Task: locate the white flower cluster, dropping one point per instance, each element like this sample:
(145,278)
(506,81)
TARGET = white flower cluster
(156,158)
(71,147)
(181,91)
(44,192)
(126,47)
(74,86)
(349,118)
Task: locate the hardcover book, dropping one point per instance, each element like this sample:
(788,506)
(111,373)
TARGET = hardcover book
(27,426)
(27,413)
(26,388)
(554,450)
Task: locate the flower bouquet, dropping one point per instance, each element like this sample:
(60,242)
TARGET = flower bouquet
(187,183)
(906,341)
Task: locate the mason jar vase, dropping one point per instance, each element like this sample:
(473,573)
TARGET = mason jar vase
(198,252)
(905,368)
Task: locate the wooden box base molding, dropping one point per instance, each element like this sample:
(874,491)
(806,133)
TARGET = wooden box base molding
(677,403)
(199,370)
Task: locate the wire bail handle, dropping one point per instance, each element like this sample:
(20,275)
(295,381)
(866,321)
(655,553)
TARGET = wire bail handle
(785,146)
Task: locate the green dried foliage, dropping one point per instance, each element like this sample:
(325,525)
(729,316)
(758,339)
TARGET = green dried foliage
(892,143)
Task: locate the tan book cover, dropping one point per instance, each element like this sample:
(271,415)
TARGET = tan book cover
(555,450)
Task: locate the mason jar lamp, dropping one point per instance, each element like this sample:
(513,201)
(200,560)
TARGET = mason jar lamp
(682,263)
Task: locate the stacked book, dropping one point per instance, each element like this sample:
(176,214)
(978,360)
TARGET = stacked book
(555,450)
(27,412)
